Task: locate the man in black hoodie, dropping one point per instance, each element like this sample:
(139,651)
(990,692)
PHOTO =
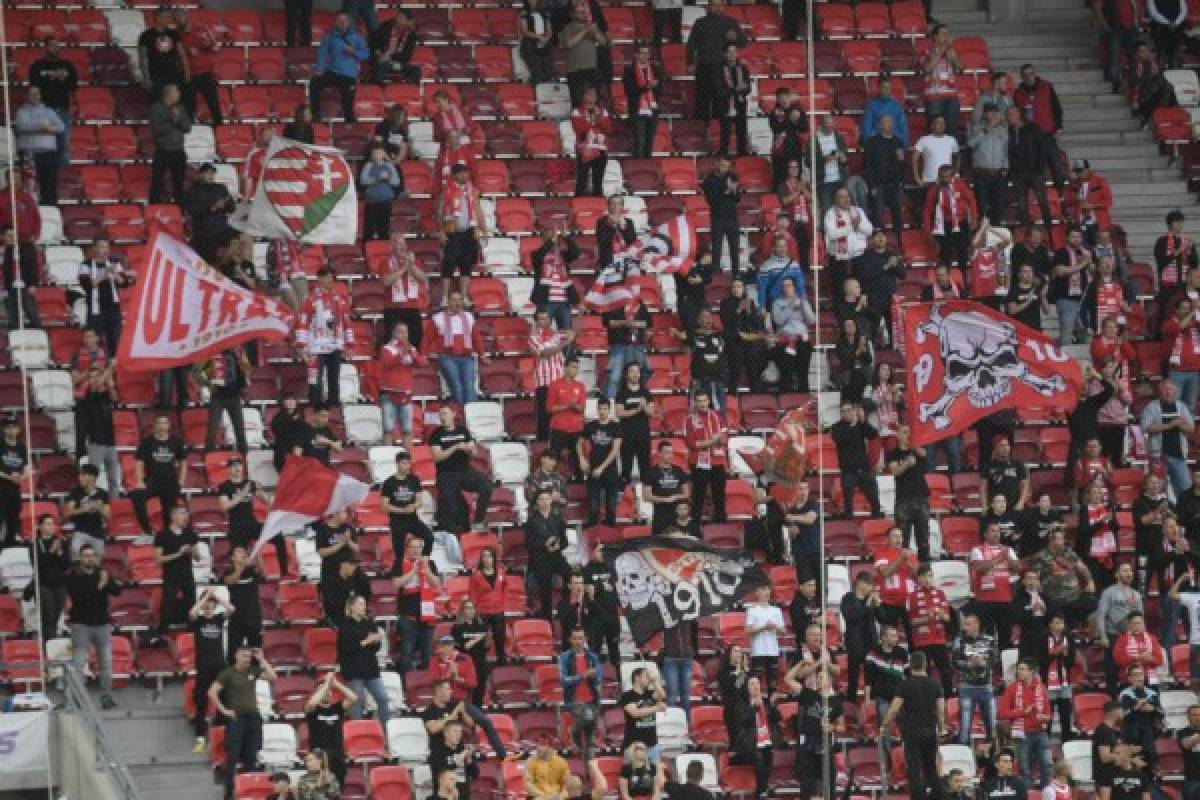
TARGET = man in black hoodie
(1003,785)
(722,192)
(89,588)
(1028,159)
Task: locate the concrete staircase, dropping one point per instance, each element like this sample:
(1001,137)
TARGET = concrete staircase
(1060,39)
(155,741)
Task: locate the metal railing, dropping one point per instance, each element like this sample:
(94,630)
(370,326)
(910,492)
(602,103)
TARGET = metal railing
(79,702)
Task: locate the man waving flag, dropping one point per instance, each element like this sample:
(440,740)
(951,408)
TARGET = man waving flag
(307,491)
(666,250)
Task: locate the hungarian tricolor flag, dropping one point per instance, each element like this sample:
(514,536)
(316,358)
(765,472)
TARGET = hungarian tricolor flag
(966,361)
(308,491)
(665,580)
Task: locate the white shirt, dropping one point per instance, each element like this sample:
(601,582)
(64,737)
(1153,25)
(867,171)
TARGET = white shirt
(838,225)
(827,144)
(764,643)
(936,152)
(1191,601)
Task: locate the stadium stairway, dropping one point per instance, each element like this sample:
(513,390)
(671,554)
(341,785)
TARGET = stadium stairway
(155,741)
(1061,40)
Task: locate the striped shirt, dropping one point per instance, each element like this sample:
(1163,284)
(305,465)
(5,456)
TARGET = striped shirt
(549,366)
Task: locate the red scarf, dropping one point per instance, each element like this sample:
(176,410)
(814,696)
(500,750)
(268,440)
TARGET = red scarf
(1058,673)
(458,196)
(842,244)
(1109,297)
(451,118)
(798,209)
(1029,699)
(554,275)
(704,427)
(457,329)
(928,603)
(985,262)
(1104,542)
(763,729)
(948,217)
(1173,269)
(1140,646)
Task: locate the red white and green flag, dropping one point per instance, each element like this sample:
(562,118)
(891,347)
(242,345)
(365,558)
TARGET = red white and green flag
(303,192)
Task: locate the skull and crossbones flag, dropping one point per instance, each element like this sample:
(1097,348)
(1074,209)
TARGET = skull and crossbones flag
(303,192)
(966,361)
(664,580)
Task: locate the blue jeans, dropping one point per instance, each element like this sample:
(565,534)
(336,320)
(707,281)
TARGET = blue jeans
(947,107)
(1121,43)
(1172,611)
(677,672)
(603,492)
(1179,475)
(618,356)
(489,730)
(394,412)
(1034,745)
(243,741)
(951,446)
(1188,383)
(560,313)
(459,372)
(375,686)
(1068,318)
(64,138)
(970,697)
(414,636)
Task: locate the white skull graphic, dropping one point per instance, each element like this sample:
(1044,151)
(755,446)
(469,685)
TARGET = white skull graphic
(636,584)
(979,359)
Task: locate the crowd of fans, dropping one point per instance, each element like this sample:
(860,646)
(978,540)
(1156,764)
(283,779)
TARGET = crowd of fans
(1053,579)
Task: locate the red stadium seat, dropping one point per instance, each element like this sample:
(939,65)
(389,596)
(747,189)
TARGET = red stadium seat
(363,740)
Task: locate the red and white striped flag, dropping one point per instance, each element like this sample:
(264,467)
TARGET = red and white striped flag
(308,491)
(668,249)
(302,192)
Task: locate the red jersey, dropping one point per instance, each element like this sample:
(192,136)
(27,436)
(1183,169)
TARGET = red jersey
(1026,706)
(1141,648)
(488,596)
(591,126)
(396,362)
(465,670)
(562,392)
(201,48)
(994,586)
(894,589)
(1184,343)
(701,427)
(931,603)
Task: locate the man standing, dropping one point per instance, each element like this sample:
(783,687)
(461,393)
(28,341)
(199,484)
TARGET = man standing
(641,81)
(547,345)
(1091,200)
(989,163)
(933,151)
(38,127)
(994,567)
(453,447)
(602,437)
(161,56)
(722,192)
(579,673)
(1120,23)
(583,39)
(706,435)
(243,729)
(1174,255)
(15,474)
(322,333)
(565,400)
(664,487)
(706,50)
(641,704)
(460,229)
(732,96)
(88,510)
(920,709)
(242,579)
(858,611)
(169,122)
(101,278)
(1038,104)
(89,587)
(975,656)
(1168,423)
(174,550)
(928,615)
(338,59)
(1029,154)
(884,104)
(397,360)
(208,634)
(908,466)
(201,49)
(1026,707)
(228,379)
(850,435)
(883,170)
(208,205)
(545,539)
(417,583)
(887,664)
(95,393)
(951,214)
(57,79)
(458,342)
(1004,475)
(159,469)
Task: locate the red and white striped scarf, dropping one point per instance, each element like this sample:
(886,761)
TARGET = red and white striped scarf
(647,102)
(1029,697)
(458,196)
(1174,267)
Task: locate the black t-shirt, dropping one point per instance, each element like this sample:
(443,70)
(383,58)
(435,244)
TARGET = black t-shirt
(598,575)
(628,399)
(1129,784)
(242,522)
(161,457)
(1036,528)
(445,439)
(244,594)
(642,729)
(641,779)
(325,726)
(434,713)
(911,483)
(94,418)
(442,758)
(1005,478)
(408,598)
(851,441)
(321,452)
(919,714)
(601,435)
(91,523)
(170,543)
(326,536)
(1032,315)
(686,791)
(1009,531)
(1103,736)
(664,482)
(813,710)
(623,335)
(708,355)
(1191,758)
(209,635)
(401,492)
(13,460)
(998,787)
(162,53)
(1172,440)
